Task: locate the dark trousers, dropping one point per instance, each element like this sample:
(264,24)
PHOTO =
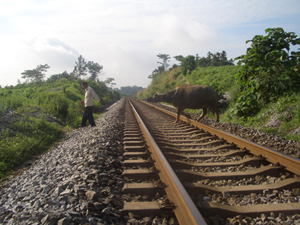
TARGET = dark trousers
(88,115)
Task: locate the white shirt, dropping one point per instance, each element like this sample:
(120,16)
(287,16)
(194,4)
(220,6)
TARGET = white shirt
(89,95)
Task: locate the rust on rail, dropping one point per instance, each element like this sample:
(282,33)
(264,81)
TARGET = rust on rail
(185,210)
(290,163)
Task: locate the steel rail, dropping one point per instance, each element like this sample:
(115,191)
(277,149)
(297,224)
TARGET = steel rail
(292,164)
(185,210)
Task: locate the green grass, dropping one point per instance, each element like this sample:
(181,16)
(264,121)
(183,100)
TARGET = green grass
(286,109)
(60,99)
(2,110)
(31,136)
(219,78)
(23,139)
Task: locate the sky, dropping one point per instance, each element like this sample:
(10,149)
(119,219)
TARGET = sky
(125,37)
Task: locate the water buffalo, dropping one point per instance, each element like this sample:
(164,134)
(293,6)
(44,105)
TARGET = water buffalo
(191,97)
(148,99)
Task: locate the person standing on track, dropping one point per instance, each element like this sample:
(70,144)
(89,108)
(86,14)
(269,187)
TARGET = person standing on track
(88,104)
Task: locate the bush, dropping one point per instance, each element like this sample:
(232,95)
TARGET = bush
(176,74)
(221,79)
(2,110)
(246,105)
(268,70)
(23,139)
(13,101)
(54,103)
(188,64)
(74,114)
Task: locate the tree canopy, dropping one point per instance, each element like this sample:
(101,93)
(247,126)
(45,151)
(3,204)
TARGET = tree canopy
(94,69)
(110,81)
(268,70)
(165,58)
(188,64)
(37,74)
(178,58)
(217,59)
(80,68)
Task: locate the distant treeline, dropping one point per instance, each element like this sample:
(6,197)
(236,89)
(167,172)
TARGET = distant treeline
(217,59)
(129,90)
(191,62)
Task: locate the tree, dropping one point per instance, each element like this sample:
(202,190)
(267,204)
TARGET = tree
(59,76)
(224,57)
(153,74)
(217,59)
(188,64)
(165,58)
(173,67)
(130,90)
(268,70)
(109,81)
(157,71)
(209,58)
(94,69)
(178,58)
(80,68)
(37,74)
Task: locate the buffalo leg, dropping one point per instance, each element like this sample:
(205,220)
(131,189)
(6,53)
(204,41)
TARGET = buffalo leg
(204,112)
(179,111)
(217,111)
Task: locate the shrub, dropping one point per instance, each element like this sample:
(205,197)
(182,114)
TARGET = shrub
(188,64)
(2,110)
(23,139)
(13,101)
(176,73)
(54,103)
(269,69)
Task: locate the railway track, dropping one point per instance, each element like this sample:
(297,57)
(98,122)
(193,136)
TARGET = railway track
(203,175)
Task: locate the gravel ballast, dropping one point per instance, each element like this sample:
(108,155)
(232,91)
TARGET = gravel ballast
(78,182)
(271,141)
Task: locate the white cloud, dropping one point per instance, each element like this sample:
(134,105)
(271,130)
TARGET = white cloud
(58,55)
(126,36)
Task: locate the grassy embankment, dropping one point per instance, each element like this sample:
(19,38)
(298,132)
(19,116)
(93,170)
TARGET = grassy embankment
(26,132)
(286,109)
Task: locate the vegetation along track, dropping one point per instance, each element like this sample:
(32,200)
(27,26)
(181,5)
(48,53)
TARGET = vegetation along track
(201,168)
